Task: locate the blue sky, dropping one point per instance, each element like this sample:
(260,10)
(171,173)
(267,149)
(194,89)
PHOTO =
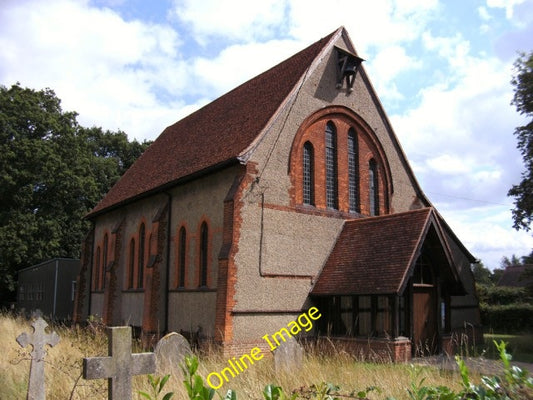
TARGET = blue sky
(442,70)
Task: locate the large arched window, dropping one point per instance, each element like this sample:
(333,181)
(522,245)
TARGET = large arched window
(131,265)
(353,171)
(308,174)
(140,270)
(331,166)
(182,249)
(204,235)
(373,189)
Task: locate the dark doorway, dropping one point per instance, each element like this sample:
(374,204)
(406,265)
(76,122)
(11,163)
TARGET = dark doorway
(425,330)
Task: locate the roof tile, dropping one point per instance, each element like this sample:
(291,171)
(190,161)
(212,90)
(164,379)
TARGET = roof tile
(213,135)
(372,255)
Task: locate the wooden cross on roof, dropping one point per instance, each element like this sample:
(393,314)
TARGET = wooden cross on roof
(38,340)
(120,365)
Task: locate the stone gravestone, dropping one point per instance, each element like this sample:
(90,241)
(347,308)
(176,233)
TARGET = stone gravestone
(288,356)
(170,353)
(121,364)
(38,340)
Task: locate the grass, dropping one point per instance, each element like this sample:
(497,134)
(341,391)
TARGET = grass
(520,346)
(64,367)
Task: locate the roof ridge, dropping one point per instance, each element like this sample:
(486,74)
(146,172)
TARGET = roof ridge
(209,132)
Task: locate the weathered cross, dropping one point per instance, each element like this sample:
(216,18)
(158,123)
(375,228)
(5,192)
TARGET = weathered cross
(121,364)
(38,340)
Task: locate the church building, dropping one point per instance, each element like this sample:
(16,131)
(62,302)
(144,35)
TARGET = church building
(291,191)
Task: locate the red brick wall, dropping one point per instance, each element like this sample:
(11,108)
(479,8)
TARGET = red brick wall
(227,274)
(370,349)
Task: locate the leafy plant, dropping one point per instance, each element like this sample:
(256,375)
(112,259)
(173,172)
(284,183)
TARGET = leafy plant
(230,395)
(273,392)
(194,383)
(157,385)
(516,384)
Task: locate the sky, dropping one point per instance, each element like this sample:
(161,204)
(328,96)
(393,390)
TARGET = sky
(442,70)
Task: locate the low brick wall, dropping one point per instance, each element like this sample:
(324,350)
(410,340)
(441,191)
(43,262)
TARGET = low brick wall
(377,349)
(466,337)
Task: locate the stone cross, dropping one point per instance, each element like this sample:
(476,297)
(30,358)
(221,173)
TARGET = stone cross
(38,340)
(121,364)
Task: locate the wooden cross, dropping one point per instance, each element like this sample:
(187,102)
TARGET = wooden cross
(121,364)
(38,340)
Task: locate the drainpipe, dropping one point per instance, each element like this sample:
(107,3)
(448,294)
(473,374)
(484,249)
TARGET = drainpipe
(55,289)
(169,227)
(91,262)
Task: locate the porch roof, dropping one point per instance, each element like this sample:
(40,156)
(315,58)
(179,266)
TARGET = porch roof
(376,255)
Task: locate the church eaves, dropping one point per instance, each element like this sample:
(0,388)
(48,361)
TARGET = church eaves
(386,248)
(215,135)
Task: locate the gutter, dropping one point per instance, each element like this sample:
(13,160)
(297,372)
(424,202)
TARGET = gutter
(164,187)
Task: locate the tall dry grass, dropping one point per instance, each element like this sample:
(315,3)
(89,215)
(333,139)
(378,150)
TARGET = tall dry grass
(64,368)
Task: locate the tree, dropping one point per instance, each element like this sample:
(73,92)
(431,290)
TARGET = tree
(509,262)
(523,100)
(482,274)
(52,172)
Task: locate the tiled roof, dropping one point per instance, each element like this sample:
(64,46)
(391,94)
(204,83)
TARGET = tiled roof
(373,255)
(214,135)
(516,276)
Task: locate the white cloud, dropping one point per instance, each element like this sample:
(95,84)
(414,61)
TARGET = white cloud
(238,63)
(241,20)
(447,164)
(485,232)
(107,69)
(141,77)
(508,5)
(484,13)
(460,136)
(388,64)
(377,24)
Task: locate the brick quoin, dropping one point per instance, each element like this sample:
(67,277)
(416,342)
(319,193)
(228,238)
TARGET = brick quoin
(110,272)
(227,274)
(84,278)
(153,287)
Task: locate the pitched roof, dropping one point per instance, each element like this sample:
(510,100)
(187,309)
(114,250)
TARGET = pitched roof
(516,276)
(215,135)
(373,255)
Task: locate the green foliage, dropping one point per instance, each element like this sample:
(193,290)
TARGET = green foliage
(515,384)
(507,318)
(157,385)
(196,389)
(482,274)
(52,172)
(523,100)
(230,395)
(273,392)
(501,295)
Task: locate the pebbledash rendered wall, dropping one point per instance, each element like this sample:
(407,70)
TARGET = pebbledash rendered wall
(127,305)
(191,308)
(280,250)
